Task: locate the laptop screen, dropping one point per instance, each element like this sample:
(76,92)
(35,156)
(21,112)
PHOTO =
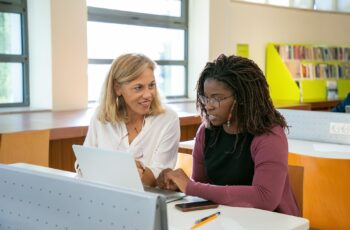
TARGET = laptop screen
(116,168)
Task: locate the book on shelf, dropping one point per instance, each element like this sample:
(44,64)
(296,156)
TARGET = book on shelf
(332,90)
(301,72)
(316,62)
(345,70)
(310,52)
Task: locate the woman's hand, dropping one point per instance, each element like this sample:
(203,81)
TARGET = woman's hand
(146,174)
(164,182)
(140,167)
(179,178)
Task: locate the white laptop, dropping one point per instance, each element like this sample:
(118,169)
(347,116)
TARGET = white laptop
(116,168)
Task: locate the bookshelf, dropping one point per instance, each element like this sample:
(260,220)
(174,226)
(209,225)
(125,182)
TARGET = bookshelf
(307,73)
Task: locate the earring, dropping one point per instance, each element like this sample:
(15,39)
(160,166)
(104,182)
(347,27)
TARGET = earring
(117,101)
(228,123)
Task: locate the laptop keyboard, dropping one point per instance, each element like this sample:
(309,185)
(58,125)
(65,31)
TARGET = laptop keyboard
(169,194)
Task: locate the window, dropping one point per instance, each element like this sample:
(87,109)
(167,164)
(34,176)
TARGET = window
(14,87)
(306,4)
(324,5)
(278,2)
(343,5)
(156,28)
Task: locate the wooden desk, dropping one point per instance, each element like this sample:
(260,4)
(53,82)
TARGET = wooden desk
(29,146)
(187,144)
(326,172)
(307,105)
(322,105)
(62,130)
(326,187)
(291,105)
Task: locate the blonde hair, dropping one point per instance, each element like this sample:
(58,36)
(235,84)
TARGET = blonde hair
(125,68)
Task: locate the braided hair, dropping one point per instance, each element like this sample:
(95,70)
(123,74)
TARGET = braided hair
(254,112)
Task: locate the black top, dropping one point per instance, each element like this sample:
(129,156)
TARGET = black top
(227,157)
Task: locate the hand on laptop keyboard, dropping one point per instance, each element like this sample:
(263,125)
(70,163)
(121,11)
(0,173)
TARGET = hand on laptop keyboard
(164,182)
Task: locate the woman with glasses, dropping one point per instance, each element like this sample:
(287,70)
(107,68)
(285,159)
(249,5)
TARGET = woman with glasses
(240,156)
(131,117)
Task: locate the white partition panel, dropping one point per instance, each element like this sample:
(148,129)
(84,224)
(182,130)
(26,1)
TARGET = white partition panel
(318,126)
(33,198)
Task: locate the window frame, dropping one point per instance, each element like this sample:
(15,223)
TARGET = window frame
(150,20)
(18,7)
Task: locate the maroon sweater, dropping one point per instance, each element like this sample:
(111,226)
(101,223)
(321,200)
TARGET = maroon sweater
(270,189)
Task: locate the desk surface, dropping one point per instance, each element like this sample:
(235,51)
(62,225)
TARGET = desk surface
(234,218)
(318,149)
(187,144)
(291,105)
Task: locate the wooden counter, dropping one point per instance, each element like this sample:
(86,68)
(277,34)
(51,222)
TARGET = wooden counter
(46,138)
(65,128)
(326,200)
(291,105)
(326,190)
(322,105)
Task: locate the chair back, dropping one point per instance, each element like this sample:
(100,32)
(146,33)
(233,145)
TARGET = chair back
(184,161)
(296,178)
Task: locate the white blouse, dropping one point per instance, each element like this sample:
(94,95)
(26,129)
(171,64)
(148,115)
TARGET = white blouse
(156,145)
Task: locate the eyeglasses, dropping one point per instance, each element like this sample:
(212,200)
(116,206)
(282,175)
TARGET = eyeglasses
(213,100)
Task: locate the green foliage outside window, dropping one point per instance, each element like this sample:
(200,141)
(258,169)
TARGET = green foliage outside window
(4,68)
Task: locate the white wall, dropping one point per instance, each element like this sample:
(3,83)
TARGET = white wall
(40,53)
(198,52)
(58,54)
(69,39)
(235,22)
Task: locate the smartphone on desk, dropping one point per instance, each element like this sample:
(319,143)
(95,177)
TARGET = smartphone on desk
(198,205)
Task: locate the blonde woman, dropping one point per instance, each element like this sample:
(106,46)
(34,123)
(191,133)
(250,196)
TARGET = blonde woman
(131,117)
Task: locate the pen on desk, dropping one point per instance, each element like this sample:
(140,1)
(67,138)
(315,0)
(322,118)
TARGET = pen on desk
(175,199)
(204,220)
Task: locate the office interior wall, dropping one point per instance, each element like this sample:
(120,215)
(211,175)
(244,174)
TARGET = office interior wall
(69,59)
(233,22)
(58,54)
(198,51)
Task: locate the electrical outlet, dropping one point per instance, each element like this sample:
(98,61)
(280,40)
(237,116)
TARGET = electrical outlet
(339,128)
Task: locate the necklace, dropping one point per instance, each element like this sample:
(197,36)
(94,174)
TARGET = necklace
(143,124)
